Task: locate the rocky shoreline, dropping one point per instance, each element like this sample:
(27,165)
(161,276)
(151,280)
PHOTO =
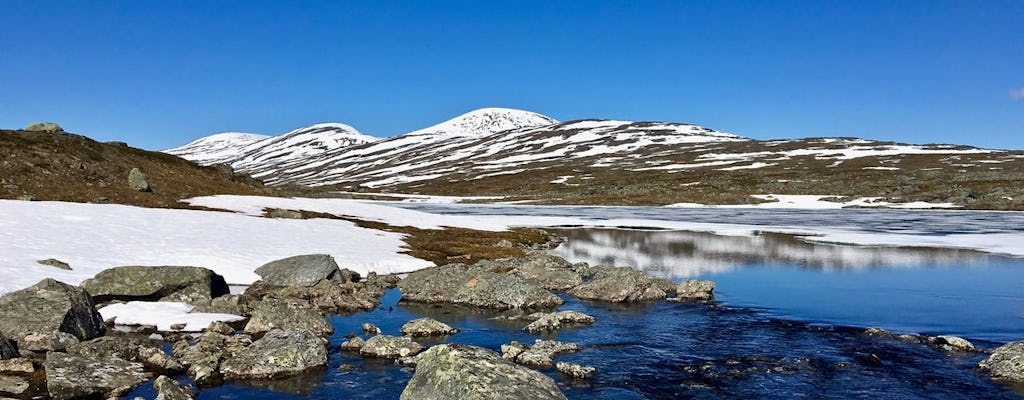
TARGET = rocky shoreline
(56,343)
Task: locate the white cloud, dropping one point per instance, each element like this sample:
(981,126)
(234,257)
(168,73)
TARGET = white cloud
(1017,94)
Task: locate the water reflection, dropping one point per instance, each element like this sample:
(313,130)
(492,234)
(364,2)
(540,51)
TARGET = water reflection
(683,254)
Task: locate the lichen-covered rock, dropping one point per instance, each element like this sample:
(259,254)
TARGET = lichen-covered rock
(169,389)
(427,327)
(75,377)
(278,354)
(49,314)
(475,287)
(540,268)
(618,285)
(129,348)
(695,290)
(953,343)
(138,180)
(288,315)
(305,270)
(353,344)
(550,322)
(576,371)
(541,354)
(546,323)
(44,127)
(204,358)
(1006,363)
(133,283)
(384,346)
(7,349)
(451,371)
(328,296)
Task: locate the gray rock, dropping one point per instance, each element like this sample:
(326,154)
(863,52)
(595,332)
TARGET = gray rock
(289,315)
(170,389)
(427,327)
(278,354)
(75,377)
(618,285)
(138,180)
(204,358)
(221,328)
(55,263)
(451,371)
(574,317)
(695,290)
(353,344)
(370,329)
(1006,363)
(133,283)
(49,314)
(475,287)
(553,321)
(541,354)
(133,348)
(305,270)
(17,386)
(51,127)
(7,349)
(953,343)
(540,268)
(17,366)
(282,213)
(576,371)
(384,346)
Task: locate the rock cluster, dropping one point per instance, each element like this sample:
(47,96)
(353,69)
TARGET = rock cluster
(450,371)
(541,354)
(277,354)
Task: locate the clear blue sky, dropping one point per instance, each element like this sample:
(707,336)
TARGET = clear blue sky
(161,73)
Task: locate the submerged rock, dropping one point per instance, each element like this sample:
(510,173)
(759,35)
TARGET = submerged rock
(695,290)
(135,283)
(384,346)
(75,377)
(305,270)
(427,327)
(475,287)
(541,354)
(278,354)
(1006,363)
(618,285)
(290,315)
(50,315)
(576,371)
(7,349)
(451,371)
(169,389)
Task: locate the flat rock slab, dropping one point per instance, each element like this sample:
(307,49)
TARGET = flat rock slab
(156,283)
(75,377)
(427,327)
(278,354)
(619,285)
(475,287)
(450,371)
(48,314)
(304,270)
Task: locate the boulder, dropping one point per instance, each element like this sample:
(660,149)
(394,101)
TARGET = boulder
(953,343)
(7,349)
(540,268)
(169,389)
(288,315)
(1006,363)
(204,358)
(576,371)
(49,316)
(427,327)
(74,377)
(51,127)
(370,329)
(695,290)
(278,354)
(135,348)
(553,321)
(618,285)
(546,323)
(384,346)
(451,371)
(475,287)
(305,270)
(353,344)
(53,262)
(541,354)
(138,180)
(184,284)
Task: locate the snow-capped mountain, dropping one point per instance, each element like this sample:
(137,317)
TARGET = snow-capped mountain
(217,149)
(485,121)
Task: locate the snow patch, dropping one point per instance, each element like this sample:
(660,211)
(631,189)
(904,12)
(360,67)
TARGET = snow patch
(163,315)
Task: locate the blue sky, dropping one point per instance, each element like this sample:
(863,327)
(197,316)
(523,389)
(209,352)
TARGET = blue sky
(161,73)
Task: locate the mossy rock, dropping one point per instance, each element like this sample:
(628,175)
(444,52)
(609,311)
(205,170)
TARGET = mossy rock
(44,127)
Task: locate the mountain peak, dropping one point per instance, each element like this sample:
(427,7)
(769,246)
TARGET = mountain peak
(486,121)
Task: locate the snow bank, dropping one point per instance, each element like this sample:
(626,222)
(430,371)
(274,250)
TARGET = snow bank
(163,315)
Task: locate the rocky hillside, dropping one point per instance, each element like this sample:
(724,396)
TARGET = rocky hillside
(66,167)
(530,157)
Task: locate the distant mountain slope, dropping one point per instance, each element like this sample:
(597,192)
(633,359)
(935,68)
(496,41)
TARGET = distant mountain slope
(68,167)
(485,121)
(221,148)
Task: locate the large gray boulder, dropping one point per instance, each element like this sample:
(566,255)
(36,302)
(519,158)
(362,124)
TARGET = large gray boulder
(287,315)
(542,269)
(278,354)
(135,348)
(50,315)
(133,283)
(476,287)
(618,285)
(304,270)
(698,290)
(7,349)
(169,389)
(138,180)
(76,377)
(1006,363)
(451,371)
(384,346)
